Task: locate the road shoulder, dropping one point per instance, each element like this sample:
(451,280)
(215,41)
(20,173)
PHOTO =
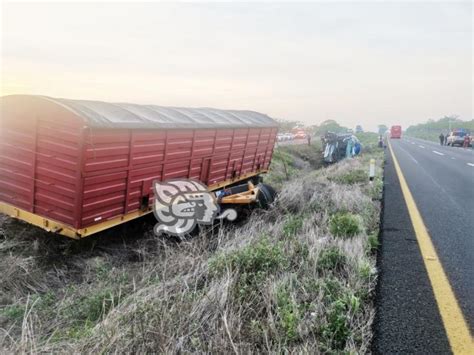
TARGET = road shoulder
(407,318)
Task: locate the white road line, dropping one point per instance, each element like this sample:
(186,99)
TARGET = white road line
(453,158)
(470,164)
(421,146)
(434,151)
(412,142)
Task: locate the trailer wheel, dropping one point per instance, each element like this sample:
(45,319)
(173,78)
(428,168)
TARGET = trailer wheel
(266,195)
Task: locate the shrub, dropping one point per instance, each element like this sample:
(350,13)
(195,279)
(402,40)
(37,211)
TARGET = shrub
(333,289)
(331,258)
(92,307)
(253,264)
(299,253)
(13,312)
(288,314)
(257,257)
(292,226)
(353,177)
(365,270)
(372,243)
(337,329)
(344,225)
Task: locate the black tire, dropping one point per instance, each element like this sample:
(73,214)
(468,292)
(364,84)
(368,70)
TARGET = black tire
(266,196)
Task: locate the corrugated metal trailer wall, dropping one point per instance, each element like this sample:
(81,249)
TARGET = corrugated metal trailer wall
(40,159)
(55,164)
(120,166)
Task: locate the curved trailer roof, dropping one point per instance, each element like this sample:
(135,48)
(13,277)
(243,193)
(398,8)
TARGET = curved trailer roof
(124,115)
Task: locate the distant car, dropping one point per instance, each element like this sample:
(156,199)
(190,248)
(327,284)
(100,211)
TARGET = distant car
(300,135)
(456,138)
(283,137)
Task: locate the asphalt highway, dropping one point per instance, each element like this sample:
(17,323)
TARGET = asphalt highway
(441,181)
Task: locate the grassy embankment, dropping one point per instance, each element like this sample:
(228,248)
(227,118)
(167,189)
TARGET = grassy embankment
(298,278)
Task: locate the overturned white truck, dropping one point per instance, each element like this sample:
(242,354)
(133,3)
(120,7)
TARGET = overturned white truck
(338,146)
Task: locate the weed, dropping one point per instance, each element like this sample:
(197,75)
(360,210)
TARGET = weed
(288,314)
(76,332)
(331,259)
(356,176)
(13,312)
(337,329)
(92,307)
(253,263)
(299,254)
(344,224)
(292,226)
(373,242)
(101,268)
(377,188)
(332,289)
(365,270)
(258,257)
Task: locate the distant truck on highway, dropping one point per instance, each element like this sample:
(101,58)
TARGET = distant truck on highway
(396,132)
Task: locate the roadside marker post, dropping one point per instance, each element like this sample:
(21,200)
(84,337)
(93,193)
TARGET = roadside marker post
(372,170)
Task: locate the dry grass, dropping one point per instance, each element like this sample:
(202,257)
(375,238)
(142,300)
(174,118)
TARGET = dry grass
(281,282)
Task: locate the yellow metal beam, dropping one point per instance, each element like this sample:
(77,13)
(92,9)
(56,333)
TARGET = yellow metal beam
(42,222)
(244,198)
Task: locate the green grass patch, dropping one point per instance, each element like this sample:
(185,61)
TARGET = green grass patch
(365,270)
(337,329)
(262,256)
(373,242)
(343,224)
(356,176)
(92,307)
(331,259)
(13,312)
(288,313)
(292,226)
(253,264)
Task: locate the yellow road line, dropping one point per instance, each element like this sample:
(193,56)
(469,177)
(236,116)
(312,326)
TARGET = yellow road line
(455,325)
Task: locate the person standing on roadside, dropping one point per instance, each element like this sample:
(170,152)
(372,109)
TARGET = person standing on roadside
(441,138)
(446,138)
(466,141)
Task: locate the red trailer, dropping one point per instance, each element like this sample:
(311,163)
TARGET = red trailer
(396,132)
(78,167)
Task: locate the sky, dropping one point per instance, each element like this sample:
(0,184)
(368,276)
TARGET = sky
(364,63)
